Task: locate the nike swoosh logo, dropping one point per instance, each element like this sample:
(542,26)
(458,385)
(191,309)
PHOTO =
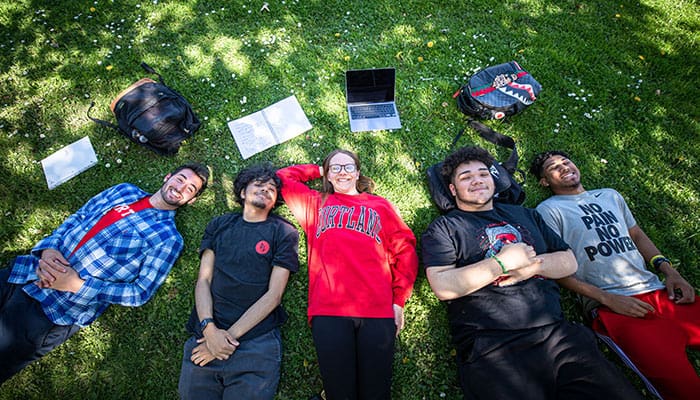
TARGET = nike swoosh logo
(597,195)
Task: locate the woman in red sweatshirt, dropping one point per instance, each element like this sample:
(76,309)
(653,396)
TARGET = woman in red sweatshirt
(362,265)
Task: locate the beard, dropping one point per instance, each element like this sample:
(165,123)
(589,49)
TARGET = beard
(166,198)
(259,202)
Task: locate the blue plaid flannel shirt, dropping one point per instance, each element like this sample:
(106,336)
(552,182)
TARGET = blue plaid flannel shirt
(123,264)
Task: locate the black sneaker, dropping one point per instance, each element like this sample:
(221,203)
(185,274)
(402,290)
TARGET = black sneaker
(320,396)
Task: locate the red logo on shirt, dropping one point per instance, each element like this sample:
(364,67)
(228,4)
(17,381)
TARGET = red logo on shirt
(262,247)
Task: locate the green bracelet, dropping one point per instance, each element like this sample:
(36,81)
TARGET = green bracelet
(503,267)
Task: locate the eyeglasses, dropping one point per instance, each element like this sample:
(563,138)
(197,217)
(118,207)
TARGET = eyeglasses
(336,168)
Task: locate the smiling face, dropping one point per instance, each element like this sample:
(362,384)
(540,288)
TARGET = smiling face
(343,182)
(561,175)
(180,189)
(260,194)
(473,186)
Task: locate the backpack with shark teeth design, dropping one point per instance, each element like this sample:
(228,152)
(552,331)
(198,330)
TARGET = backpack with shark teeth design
(497,92)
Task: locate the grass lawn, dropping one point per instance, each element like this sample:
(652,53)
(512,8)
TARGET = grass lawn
(620,89)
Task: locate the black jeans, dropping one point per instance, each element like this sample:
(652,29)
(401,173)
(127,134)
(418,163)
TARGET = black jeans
(26,334)
(355,356)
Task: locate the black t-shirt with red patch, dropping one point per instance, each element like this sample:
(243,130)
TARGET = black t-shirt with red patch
(245,254)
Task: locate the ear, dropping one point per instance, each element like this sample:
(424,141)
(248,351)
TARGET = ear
(167,177)
(453,190)
(544,182)
(242,194)
(192,200)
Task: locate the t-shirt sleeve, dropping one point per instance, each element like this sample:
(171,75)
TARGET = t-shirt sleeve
(552,239)
(550,216)
(625,210)
(437,245)
(210,235)
(287,249)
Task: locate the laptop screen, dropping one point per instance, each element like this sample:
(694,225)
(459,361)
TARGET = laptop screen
(370,85)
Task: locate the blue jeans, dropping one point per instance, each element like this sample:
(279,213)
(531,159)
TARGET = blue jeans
(252,372)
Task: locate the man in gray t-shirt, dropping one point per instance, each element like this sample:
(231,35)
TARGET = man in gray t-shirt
(652,321)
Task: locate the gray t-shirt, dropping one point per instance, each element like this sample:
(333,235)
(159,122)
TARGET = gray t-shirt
(596,225)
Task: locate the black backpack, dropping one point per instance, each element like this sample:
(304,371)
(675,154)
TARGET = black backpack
(152,115)
(508,189)
(497,92)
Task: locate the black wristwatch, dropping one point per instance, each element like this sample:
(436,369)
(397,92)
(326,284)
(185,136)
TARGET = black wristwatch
(658,260)
(203,323)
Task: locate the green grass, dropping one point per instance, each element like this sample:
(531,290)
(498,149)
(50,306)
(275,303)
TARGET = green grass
(620,94)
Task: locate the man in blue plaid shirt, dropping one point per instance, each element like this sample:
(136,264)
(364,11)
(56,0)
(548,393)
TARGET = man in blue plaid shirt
(116,249)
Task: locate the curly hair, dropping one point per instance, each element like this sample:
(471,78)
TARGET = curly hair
(257,173)
(537,164)
(464,155)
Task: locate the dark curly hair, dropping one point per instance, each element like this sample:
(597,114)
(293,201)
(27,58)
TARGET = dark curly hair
(200,170)
(538,162)
(464,155)
(259,173)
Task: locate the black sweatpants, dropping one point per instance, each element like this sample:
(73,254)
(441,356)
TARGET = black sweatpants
(355,356)
(555,362)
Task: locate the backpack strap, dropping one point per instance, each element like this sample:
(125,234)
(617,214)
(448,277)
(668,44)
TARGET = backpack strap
(494,137)
(101,121)
(500,139)
(150,70)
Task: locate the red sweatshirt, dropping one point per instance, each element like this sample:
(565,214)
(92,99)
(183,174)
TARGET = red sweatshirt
(361,255)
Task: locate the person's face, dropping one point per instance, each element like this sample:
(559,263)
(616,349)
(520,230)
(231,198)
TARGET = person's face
(473,187)
(560,174)
(181,188)
(343,181)
(260,194)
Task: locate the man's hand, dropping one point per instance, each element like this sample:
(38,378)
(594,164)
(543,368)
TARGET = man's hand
(51,264)
(219,342)
(518,255)
(625,305)
(55,272)
(398,319)
(518,275)
(679,290)
(66,281)
(201,355)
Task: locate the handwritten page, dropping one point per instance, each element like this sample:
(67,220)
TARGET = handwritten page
(68,162)
(270,126)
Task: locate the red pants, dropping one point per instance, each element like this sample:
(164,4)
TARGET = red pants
(657,343)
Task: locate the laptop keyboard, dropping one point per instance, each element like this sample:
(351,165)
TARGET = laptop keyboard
(372,111)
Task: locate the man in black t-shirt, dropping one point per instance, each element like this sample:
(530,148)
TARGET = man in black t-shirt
(246,259)
(493,264)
